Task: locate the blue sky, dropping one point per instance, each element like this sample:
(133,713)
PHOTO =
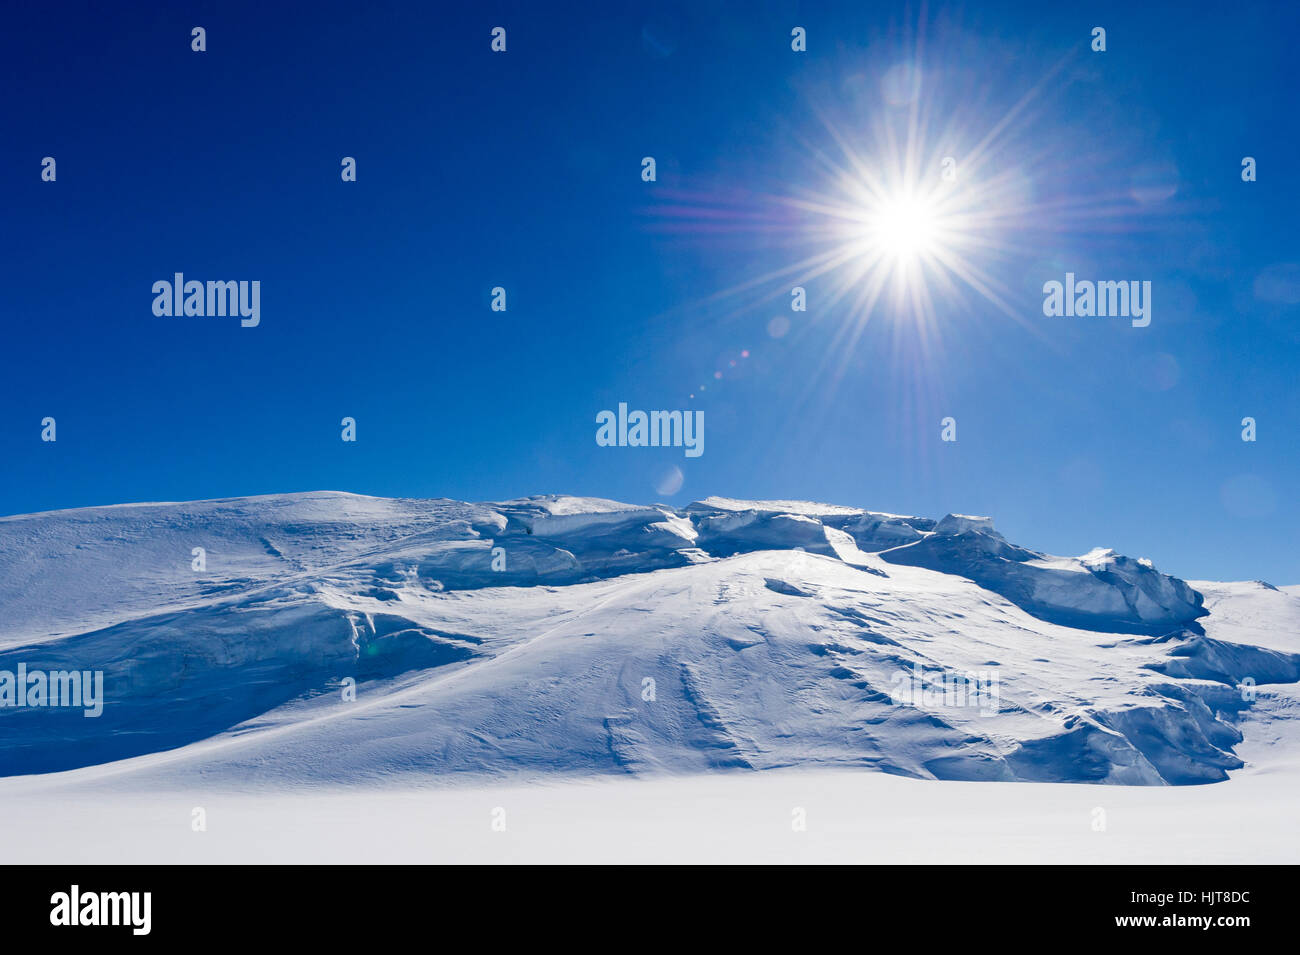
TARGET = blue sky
(523,170)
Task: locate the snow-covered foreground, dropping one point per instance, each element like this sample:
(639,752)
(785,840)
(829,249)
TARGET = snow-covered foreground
(89,817)
(335,676)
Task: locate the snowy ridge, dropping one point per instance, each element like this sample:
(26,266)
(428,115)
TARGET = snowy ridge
(1100,590)
(568,635)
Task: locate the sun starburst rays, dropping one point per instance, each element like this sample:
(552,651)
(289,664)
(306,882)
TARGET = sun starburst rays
(906,208)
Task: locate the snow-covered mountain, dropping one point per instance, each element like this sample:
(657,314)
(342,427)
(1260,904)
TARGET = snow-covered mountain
(576,636)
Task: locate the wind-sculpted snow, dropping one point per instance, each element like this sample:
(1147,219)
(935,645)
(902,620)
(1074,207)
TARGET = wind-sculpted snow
(334,637)
(1100,590)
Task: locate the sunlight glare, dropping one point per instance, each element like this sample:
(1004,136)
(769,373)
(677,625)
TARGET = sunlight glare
(904,227)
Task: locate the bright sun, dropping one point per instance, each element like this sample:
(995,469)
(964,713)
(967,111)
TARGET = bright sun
(892,224)
(903,228)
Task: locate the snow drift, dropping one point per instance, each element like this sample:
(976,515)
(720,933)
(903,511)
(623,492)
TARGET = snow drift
(335,637)
(1100,590)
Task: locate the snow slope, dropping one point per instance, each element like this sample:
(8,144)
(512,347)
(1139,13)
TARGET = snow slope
(575,636)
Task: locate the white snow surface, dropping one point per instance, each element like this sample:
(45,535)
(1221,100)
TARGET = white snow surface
(568,638)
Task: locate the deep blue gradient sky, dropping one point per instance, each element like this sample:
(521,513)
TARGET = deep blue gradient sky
(523,170)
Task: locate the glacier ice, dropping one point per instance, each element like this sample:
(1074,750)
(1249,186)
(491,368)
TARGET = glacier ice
(569,635)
